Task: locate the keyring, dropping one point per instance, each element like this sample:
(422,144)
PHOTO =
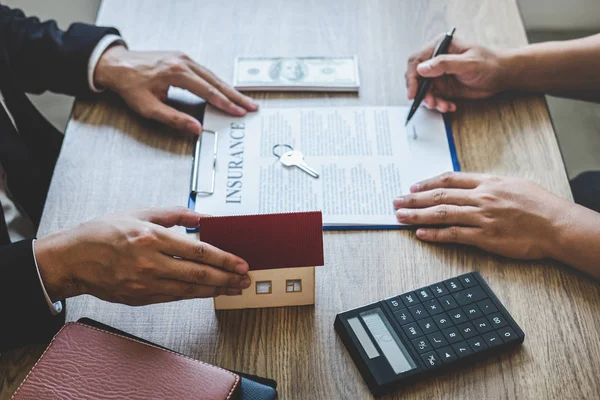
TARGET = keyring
(281,145)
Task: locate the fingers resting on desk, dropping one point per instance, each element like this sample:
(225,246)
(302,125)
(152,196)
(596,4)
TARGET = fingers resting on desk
(508,216)
(143,78)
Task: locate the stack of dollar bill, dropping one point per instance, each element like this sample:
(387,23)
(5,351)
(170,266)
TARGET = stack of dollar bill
(326,74)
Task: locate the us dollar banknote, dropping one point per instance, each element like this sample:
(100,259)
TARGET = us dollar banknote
(339,74)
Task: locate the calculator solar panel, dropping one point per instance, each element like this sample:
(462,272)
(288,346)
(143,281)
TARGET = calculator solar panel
(417,333)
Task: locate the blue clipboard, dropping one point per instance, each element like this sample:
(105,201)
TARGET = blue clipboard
(455,166)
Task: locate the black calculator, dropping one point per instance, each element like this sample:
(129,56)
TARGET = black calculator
(415,334)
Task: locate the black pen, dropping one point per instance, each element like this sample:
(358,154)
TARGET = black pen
(441,48)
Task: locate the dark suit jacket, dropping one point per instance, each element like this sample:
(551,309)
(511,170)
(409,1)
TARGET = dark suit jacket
(34,57)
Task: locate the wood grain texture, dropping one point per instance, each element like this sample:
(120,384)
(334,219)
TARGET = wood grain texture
(113,160)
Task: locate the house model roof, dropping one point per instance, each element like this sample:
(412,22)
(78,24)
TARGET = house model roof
(268,241)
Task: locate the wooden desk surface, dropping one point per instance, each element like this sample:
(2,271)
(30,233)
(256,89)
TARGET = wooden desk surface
(113,160)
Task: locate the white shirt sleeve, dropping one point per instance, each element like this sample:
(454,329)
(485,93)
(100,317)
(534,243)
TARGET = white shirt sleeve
(55,308)
(100,48)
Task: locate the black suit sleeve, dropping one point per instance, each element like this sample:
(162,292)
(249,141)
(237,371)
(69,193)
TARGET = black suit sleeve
(43,57)
(25,316)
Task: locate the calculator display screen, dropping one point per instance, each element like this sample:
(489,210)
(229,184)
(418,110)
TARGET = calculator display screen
(363,337)
(389,343)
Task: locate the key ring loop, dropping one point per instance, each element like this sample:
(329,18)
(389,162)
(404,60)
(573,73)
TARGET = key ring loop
(281,145)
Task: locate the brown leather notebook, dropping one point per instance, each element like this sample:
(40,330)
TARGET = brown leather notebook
(83,362)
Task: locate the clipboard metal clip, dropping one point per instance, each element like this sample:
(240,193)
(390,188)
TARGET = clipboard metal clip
(196,166)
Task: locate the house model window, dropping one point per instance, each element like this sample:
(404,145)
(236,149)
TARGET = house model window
(293,285)
(263,287)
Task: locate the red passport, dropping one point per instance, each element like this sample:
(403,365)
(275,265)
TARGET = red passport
(85,363)
(268,241)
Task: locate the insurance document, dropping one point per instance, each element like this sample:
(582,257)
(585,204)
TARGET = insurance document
(364,156)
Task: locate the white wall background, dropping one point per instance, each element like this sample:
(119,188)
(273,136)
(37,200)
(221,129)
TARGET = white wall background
(63,11)
(538,14)
(561,14)
(56,107)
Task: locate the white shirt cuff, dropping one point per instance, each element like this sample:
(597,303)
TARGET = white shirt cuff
(100,48)
(55,308)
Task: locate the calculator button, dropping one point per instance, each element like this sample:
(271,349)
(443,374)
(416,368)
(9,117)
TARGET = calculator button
(467,330)
(437,340)
(418,311)
(412,330)
(424,294)
(395,303)
(422,345)
(409,299)
(467,280)
(446,354)
(427,325)
(477,343)
(448,302)
(433,306)
(492,339)
(472,311)
(507,334)
(453,285)
(452,334)
(403,316)
(462,349)
(458,316)
(431,360)
(482,325)
(487,307)
(497,320)
(442,320)
(439,289)
(470,295)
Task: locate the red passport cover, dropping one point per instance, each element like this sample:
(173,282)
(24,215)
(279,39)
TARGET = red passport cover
(268,241)
(85,363)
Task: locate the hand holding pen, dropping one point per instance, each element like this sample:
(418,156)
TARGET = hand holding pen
(424,83)
(467,71)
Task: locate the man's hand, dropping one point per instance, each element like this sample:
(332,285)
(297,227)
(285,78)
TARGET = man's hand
(143,79)
(508,216)
(467,71)
(132,258)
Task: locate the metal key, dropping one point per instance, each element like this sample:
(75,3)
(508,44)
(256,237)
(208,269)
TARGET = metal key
(294,158)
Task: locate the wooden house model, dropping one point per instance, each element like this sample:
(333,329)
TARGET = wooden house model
(282,251)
